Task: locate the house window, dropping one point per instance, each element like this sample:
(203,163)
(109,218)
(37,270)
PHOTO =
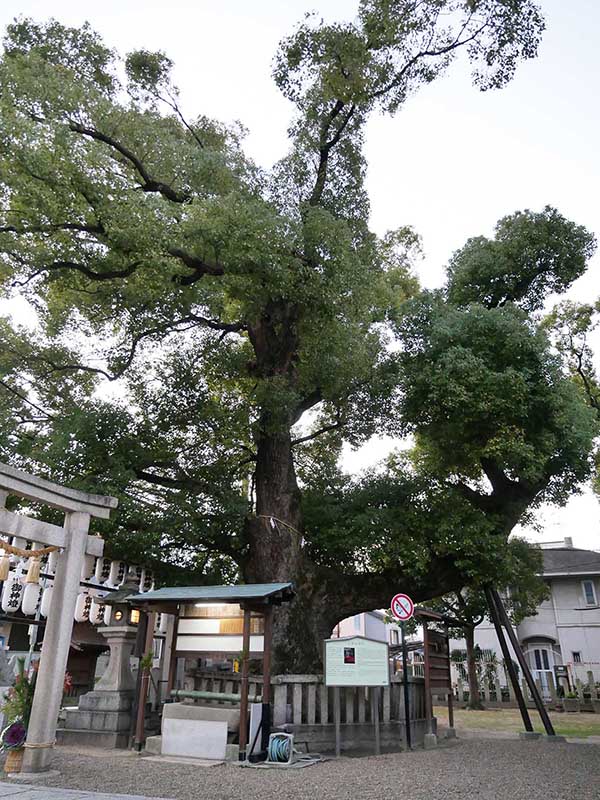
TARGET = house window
(394,637)
(589,593)
(357,626)
(541,659)
(576,657)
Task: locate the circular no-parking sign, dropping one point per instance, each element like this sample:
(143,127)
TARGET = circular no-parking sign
(402,607)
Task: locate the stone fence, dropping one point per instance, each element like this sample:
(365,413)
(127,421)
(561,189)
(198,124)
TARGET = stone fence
(497,695)
(305,704)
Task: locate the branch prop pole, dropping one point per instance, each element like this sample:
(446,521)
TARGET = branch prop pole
(510,668)
(539,703)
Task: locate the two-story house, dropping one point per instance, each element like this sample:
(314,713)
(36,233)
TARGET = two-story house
(566,629)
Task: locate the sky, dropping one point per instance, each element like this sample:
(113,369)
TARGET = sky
(451,163)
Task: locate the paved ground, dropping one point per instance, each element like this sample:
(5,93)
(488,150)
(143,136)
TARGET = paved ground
(25,792)
(486,769)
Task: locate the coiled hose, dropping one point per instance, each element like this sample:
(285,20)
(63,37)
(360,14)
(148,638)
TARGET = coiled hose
(280,748)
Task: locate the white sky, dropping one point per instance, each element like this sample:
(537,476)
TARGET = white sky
(451,163)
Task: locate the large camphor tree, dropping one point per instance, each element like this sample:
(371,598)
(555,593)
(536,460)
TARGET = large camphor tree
(193,308)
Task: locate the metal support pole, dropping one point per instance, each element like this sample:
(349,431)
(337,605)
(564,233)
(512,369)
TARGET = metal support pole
(243,739)
(427,668)
(374,692)
(510,667)
(406,691)
(523,664)
(337,714)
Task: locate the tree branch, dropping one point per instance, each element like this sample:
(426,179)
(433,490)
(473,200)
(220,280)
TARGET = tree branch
(149,183)
(23,397)
(199,266)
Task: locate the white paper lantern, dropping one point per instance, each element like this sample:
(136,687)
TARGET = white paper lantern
(102,570)
(97,608)
(118,571)
(31,598)
(46,601)
(52,562)
(82,607)
(12,592)
(87,568)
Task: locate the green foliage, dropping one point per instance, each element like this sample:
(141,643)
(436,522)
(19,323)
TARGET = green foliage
(532,255)
(517,567)
(191,307)
(19,698)
(483,386)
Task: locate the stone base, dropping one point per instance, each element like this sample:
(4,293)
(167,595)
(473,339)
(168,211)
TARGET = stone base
(555,738)
(31,777)
(153,747)
(529,735)
(359,736)
(429,741)
(83,738)
(106,701)
(450,733)
(114,721)
(101,711)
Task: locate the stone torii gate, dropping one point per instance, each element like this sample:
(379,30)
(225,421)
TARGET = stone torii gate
(75,543)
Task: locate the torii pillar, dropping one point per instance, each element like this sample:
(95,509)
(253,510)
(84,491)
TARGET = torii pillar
(74,543)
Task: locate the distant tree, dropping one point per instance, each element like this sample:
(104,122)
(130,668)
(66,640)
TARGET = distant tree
(519,572)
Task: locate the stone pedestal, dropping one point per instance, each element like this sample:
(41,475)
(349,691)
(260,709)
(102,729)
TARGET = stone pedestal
(103,717)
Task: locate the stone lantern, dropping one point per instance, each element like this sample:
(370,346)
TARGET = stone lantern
(104,714)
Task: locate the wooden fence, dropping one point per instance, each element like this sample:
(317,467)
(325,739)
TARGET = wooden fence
(305,700)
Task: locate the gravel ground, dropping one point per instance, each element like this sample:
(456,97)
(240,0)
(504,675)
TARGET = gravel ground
(486,769)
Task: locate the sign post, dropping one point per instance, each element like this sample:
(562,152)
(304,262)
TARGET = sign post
(356,661)
(403,608)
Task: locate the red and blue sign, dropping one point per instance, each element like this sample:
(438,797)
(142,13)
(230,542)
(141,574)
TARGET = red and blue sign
(402,607)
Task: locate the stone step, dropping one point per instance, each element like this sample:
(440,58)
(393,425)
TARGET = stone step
(82,738)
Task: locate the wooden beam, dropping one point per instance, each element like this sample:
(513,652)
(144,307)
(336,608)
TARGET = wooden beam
(40,490)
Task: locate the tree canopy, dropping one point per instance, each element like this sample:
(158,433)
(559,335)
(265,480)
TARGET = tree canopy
(192,308)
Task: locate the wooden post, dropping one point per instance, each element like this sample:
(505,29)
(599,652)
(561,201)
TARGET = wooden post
(374,691)
(173,657)
(140,737)
(243,737)
(266,690)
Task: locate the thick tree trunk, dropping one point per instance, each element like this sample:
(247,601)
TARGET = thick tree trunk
(323,596)
(474,696)
(276,554)
(274,534)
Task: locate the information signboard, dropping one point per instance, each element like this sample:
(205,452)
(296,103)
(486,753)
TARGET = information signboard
(356,661)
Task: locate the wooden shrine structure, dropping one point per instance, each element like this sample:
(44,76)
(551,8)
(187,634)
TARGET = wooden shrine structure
(253,599)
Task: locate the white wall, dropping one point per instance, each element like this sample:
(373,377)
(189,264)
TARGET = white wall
(565,618)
